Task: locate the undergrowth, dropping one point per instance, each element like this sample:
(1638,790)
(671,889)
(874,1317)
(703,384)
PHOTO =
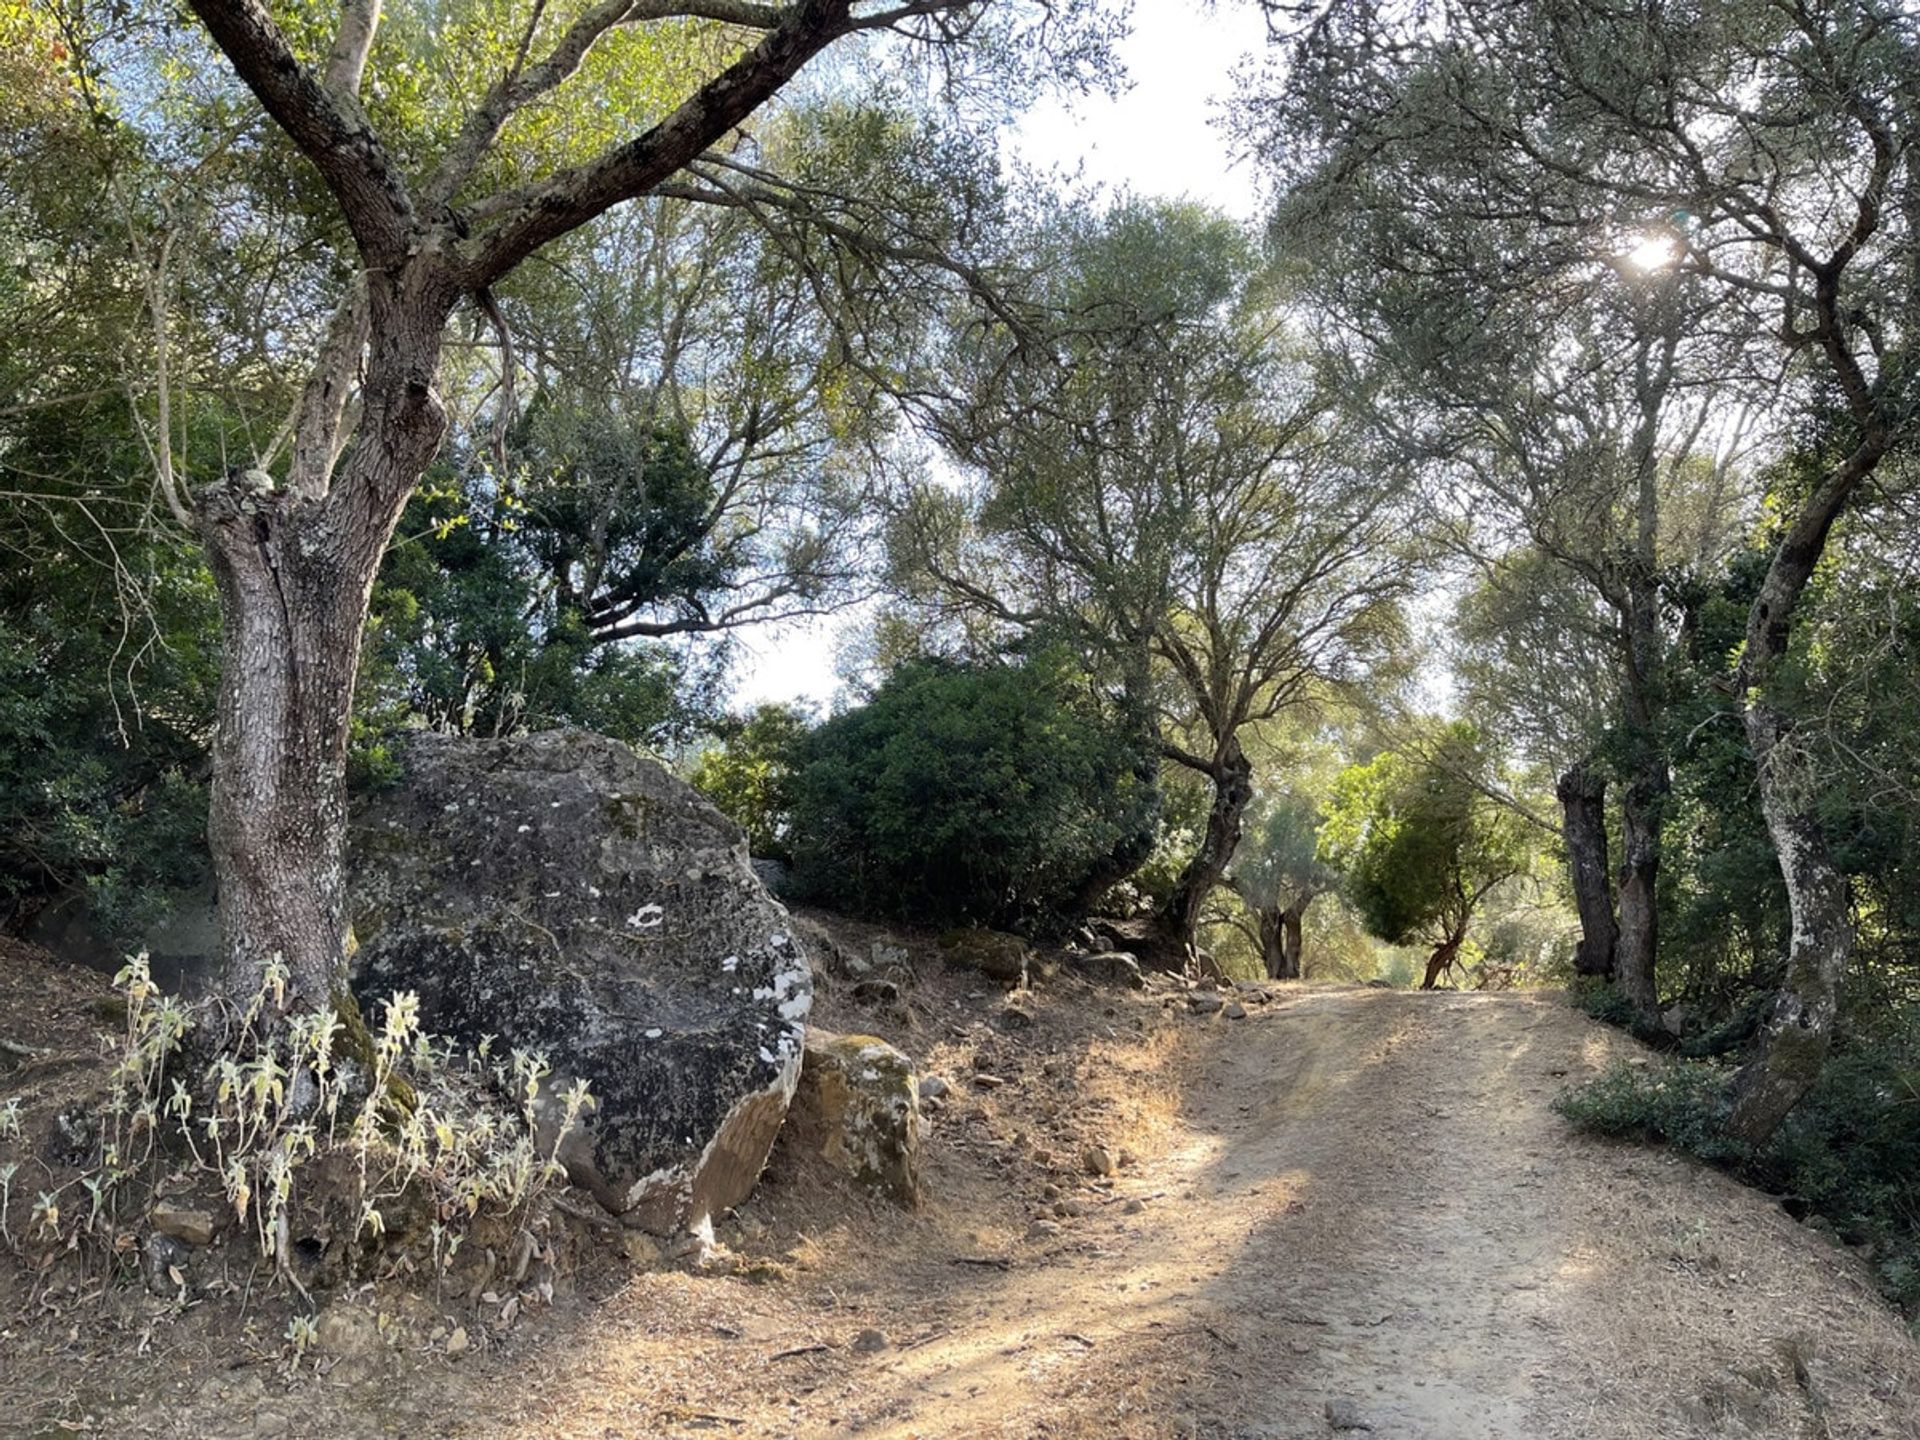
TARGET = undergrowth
(1849,1154)
(415,1123)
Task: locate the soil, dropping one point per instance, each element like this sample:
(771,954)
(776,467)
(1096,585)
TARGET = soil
(1351,1208)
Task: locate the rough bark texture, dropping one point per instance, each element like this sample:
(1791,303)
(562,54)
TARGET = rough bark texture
(1582,793)
(1799,1031)
(1232,776)
(1280,940)
(295,575)
(1637,949)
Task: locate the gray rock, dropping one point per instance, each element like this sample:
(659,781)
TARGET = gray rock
(1205,1002)
(933,1087)
(166,1257)
(858,1107)
(1097,1160)
(1110,967)
(569,898)
(1236,1011)
(1345,1415)
(993,953)
(870,1342)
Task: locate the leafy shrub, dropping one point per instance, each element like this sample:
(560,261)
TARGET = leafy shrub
(749,776)
(961,793)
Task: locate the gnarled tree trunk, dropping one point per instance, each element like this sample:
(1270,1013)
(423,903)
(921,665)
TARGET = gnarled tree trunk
(295,569)
(1582,793)
(1280,940)
(1232,775)
(1445,955)
(1799,1032)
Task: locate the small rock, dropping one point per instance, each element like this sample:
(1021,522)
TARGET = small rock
(1205,1002)
(349,1330)
(1041,1229)
(932,1087)
(1135,1206)
(1127,1158)
(1069,1209)
(986,1081)
(1097,1161)
(876,992)
(166,1265)
(1236,1011)
(195,1227)
(870,1342)
(1049,1191)
(1015,1017)
(1345,1415)
(457,1341)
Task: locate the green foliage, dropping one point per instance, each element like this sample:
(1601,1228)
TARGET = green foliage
(1850,1154)
(472,633)
(1418,842)
(961,793)
(107,681)
(749,775)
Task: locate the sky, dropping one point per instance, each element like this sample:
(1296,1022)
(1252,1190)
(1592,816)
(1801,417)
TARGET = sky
(1155,139)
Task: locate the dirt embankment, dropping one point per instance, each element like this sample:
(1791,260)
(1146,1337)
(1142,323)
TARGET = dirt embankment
(1351,1208)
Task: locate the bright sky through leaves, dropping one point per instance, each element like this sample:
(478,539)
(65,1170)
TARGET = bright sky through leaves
(1156,139)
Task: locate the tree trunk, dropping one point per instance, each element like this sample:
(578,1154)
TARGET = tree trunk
(1232,793)
(1280,941)
(1583,808)
(1442,960)
(1798,1034)
(1799,1031)
(1637,949)
(295,568)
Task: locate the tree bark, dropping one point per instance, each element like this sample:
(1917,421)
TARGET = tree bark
(295,574)
(1636,952)
(1582,793)
(1232,792)
(1280,940)
(1442,960)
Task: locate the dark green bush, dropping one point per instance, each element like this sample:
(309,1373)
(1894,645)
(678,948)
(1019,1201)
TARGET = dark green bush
(960,793)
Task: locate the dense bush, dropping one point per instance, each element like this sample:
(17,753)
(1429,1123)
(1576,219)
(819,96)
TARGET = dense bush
(961,793)
(749,776)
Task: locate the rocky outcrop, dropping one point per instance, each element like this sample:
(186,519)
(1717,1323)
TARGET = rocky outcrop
(858,1107)
(564,896)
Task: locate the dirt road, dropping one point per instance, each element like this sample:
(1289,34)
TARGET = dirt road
(1362,1213)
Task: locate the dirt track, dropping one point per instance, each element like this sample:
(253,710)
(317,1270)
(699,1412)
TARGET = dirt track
(1351,1198)
(1366,1200)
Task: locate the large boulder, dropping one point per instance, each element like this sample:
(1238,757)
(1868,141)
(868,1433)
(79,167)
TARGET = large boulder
(858,1107)
(568,898)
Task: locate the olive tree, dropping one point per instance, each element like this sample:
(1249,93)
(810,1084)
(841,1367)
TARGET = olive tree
(452,149)
(1764,154)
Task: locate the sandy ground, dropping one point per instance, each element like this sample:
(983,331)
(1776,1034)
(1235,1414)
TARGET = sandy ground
(1365,1211)
(1353,1208)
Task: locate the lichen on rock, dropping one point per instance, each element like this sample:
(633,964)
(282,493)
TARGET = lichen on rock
(858,1107)
(566,897)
